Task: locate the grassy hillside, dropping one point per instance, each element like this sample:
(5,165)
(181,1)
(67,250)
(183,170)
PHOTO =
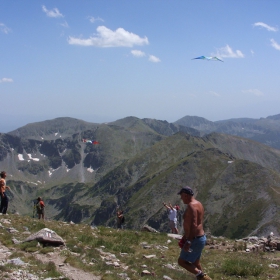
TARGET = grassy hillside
(106,253)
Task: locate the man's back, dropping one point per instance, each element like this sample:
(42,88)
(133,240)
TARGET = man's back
(193,219)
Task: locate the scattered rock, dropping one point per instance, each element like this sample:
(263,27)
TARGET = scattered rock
(273,265)
(174,236)
(149,229)
(149,256)
(166,277)
(145,273)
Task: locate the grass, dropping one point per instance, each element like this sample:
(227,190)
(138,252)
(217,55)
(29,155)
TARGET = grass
(89,249)
(244,267)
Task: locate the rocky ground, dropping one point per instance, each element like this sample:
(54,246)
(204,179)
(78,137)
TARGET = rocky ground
(21,270)
(16,264)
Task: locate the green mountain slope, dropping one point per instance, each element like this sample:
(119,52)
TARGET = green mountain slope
(239,194)
(138,165)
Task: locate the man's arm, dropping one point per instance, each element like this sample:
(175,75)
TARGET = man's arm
(166,205)
(171,207)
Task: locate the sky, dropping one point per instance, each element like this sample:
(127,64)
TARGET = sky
(101,61)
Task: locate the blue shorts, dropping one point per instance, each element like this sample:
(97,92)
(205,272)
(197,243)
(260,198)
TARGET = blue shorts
(196,247)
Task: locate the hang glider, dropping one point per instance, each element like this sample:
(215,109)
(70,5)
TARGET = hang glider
(214,58)
(90,141)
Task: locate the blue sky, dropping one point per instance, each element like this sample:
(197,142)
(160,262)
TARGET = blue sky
(100,61)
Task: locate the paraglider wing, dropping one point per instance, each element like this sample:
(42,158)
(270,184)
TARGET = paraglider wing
(216,58)
(209,58)
(200,57)
(90,141)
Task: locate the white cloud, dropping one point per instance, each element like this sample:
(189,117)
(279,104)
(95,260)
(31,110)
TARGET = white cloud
(52,13)
(138,53)
(109,38)
(153,58)
(6,80)
(255,92)
(266,26)
(93,19)
(65,24)
(4,28)
(275,45)
(228,52)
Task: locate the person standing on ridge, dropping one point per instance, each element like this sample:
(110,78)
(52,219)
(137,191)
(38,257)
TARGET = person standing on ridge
(194,239)
(40,208)
(120,219)
(172,216)
(4,198)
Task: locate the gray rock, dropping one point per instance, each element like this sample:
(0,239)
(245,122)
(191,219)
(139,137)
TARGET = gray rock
(46,236)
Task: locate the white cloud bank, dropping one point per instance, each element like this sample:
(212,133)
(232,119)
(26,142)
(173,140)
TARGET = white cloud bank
(266,26)
(6,80)
(275,45)
(108,38)
(52,13)
(255,92)
(154,59)
(4,28)
(228,52)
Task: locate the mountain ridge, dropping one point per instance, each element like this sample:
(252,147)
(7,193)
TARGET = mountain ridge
(136,160)
(263,130)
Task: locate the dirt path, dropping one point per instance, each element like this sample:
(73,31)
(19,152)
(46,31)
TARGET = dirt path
(66,269)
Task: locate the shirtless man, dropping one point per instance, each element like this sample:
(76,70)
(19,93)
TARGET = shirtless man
(4,198)
(194,238)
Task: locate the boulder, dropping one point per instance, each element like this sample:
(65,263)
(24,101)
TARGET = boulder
(148,228)
(47,237)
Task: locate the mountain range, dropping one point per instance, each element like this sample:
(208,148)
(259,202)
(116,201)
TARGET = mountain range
(232,165)
(264,130)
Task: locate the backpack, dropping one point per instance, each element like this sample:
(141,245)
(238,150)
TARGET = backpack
(38,206)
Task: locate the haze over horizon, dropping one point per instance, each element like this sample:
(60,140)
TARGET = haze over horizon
(102,61)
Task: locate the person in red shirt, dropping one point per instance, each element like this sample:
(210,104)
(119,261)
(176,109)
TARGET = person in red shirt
(40,208)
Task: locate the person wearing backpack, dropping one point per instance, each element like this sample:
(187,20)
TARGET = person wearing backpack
(40,208)
(120,219)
